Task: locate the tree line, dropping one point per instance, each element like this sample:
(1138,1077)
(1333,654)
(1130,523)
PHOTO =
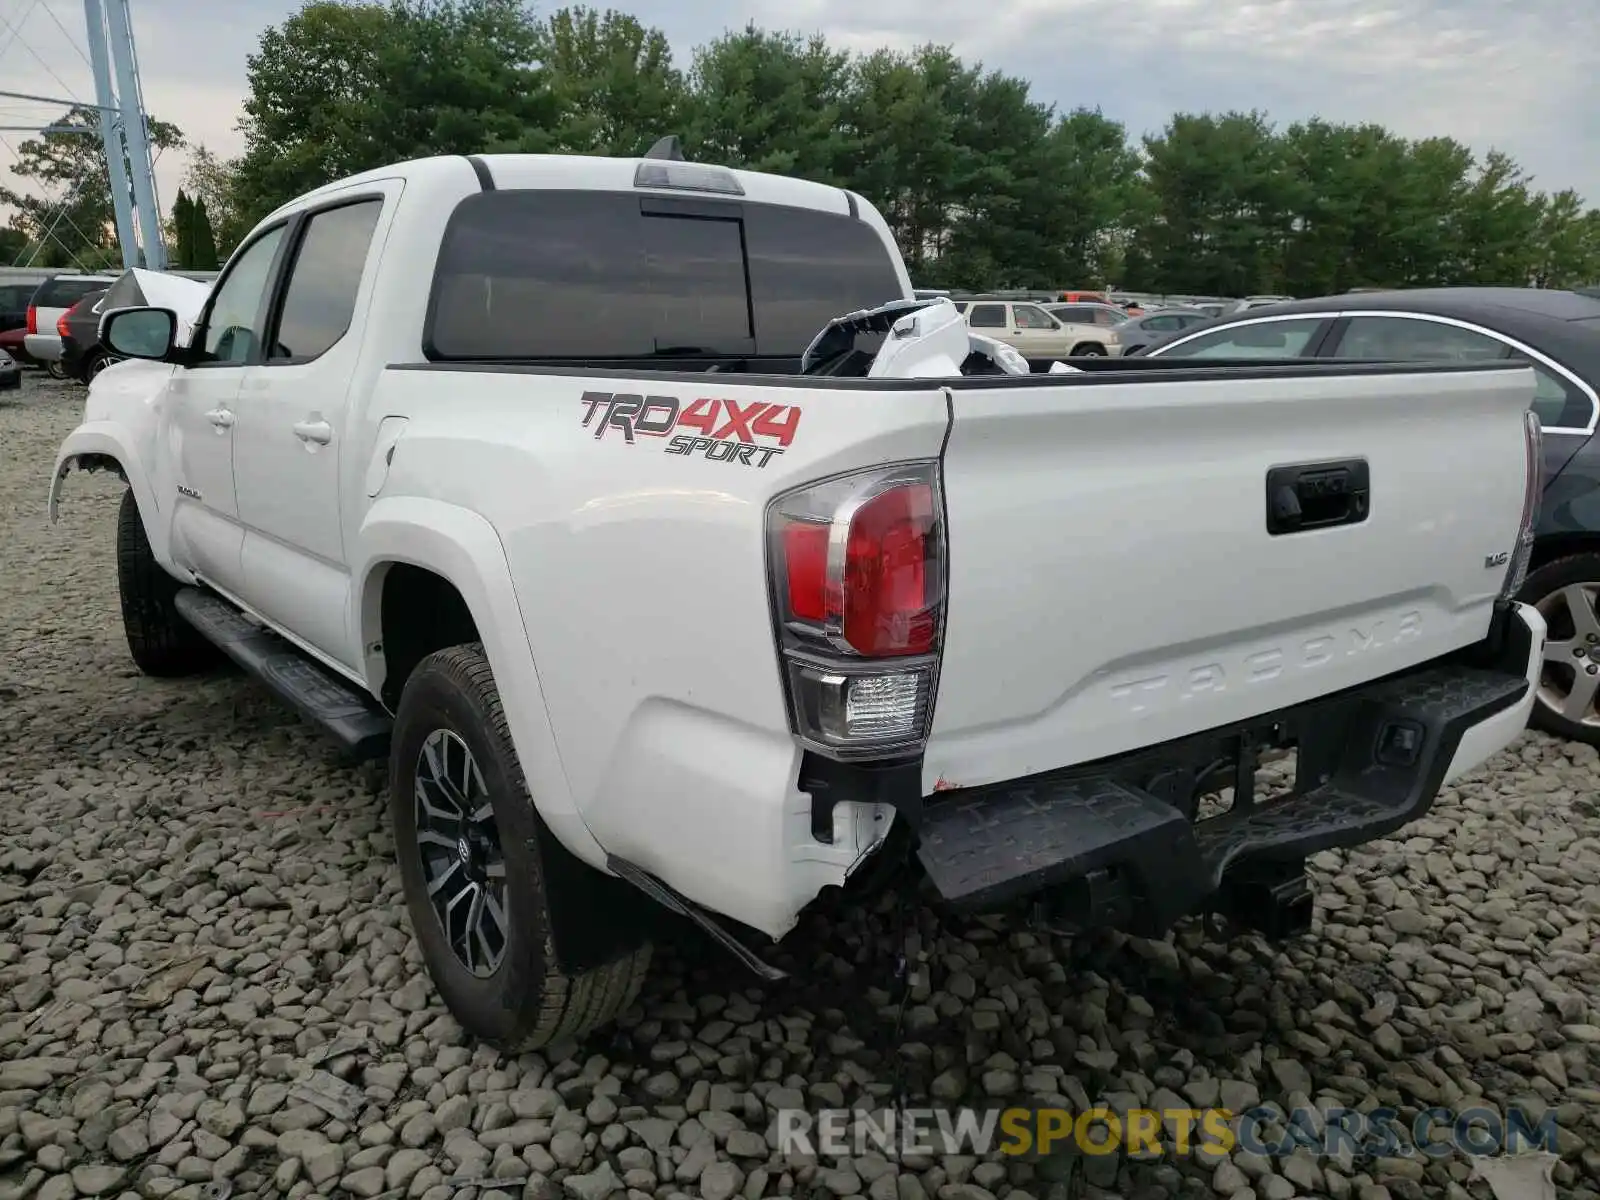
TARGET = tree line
(984,185)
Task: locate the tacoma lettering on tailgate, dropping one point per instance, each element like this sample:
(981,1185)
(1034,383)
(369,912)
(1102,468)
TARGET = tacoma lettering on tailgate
(1141,695)
(725,430)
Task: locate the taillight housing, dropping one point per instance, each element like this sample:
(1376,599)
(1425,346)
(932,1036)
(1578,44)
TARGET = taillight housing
(1532,486)
(61,326)
(33,318)
(858,581)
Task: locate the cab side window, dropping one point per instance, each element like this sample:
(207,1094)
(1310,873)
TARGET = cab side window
(324,280)
(238,315)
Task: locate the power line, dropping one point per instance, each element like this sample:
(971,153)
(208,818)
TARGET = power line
(71,41)
(18,39)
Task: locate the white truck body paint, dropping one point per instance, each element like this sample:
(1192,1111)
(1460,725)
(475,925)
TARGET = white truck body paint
(1111,583)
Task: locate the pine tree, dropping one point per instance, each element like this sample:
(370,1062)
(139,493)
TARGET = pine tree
(202,240)
(183,224)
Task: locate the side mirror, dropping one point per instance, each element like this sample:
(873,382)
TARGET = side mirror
(140,332)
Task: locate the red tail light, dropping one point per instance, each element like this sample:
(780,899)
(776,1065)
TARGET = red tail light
(61,325)
(1532,486)
(858,580)
(33,318)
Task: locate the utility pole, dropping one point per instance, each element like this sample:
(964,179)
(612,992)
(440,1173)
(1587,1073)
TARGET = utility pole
(110,133)
(119,36)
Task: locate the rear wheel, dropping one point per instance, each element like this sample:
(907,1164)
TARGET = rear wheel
(467,837)
(161,642)
(56,369)
(1089,350)
(1567,594)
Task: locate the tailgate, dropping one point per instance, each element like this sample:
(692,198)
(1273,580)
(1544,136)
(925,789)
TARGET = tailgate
(1113,581)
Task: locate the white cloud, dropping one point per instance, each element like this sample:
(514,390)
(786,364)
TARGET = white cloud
(1524,78)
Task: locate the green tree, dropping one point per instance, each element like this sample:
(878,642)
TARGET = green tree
(1567,243)
(1223,204)
(14,245)
(74,219)
(769,102)
(343,88)
(181,230)
(1496,224)
(203,242)
(612,81)
(211,182)
(983,185)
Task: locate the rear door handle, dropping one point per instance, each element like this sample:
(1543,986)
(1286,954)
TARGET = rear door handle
(314,431)
(221,418)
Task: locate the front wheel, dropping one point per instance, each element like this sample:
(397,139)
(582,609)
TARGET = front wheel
(1089,350)
(161,642)
(468,837)
(1567,594)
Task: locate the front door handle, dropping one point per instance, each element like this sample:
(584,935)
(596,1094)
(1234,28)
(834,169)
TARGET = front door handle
(314,431)
(221,418)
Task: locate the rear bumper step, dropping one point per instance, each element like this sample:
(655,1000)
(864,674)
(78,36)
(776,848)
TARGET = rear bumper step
(1098,848)
(352,719)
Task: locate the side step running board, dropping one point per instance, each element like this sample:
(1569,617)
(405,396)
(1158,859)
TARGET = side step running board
(323,698)
(664,894)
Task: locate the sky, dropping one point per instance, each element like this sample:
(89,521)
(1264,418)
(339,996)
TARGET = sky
(1522,77)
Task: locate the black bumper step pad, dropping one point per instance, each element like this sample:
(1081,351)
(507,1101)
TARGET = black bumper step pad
(353,719)
(1375,759)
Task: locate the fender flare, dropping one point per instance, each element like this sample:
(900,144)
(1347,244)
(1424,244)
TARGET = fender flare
(109,439)
(461,546)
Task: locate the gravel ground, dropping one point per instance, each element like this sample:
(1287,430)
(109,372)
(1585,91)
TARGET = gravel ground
(207,987)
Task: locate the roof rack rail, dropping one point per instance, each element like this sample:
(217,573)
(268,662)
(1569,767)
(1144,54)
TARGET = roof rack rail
(669,147)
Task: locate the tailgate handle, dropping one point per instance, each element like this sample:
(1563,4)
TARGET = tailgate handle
(1317,495)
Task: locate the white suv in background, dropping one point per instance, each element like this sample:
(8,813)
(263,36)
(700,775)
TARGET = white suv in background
(49,304)
(1036,333)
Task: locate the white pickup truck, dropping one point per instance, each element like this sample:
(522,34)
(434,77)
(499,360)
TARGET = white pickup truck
(528,473)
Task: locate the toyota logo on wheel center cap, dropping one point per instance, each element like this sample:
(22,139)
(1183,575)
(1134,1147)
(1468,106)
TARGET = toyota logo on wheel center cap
(463,849)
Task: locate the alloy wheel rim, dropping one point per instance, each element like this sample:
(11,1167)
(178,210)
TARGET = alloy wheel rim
(1569,684)
(463,866)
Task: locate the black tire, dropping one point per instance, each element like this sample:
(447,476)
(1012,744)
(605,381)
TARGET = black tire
(1088,350)
(95,363)
(527,1001)
(161,642)
(56,369)
(1547,590)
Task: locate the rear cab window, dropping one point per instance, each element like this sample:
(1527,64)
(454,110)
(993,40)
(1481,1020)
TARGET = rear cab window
(532,274)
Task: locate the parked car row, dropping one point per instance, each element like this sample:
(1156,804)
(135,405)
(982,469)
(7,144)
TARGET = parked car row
(54,322)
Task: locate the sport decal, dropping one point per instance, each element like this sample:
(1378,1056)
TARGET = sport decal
(748,433)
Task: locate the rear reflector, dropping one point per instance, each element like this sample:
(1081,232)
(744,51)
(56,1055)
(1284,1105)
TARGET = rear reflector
(1532,487)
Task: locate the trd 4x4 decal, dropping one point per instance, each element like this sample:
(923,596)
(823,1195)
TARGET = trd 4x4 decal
(725,430)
